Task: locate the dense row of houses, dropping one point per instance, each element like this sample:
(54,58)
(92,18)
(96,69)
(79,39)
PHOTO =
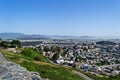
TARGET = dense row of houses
(89,56)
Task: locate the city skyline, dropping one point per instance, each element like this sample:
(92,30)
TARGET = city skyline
(61,17)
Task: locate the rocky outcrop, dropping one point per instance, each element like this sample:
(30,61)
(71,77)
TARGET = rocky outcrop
(13,71)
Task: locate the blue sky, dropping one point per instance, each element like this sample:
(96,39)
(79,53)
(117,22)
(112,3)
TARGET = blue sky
(61,17)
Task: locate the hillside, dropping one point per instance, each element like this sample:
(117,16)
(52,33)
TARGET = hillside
(21,36)
(37,36)
(40,65)
(106,43)
(11,35)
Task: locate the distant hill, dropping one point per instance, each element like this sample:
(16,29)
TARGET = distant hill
(33,37)
(7,36)
(11,35)
(71,37)
(106,43)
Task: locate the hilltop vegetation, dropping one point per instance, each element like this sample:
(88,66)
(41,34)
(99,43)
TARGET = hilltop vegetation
(12,44)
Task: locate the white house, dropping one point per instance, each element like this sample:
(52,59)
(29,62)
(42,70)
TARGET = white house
(60,60)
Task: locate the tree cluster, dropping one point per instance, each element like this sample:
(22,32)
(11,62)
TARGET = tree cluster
(12,44)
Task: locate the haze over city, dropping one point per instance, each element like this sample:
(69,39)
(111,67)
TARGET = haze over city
(61,17)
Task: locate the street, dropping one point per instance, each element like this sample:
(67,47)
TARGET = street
(82,75)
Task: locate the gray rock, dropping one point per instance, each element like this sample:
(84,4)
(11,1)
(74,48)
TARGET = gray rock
(12,71)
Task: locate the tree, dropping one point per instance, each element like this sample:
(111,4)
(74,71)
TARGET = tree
(5,44)
(55,56)
(0,40)
(16,43)
(46,49)
(28,52)
(56,49)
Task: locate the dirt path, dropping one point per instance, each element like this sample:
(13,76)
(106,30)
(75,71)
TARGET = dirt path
(82,75)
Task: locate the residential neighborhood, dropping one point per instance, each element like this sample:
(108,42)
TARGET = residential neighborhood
(98,57)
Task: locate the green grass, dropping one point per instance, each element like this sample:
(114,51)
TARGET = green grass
(46,69)
(52,72)
(15,57)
